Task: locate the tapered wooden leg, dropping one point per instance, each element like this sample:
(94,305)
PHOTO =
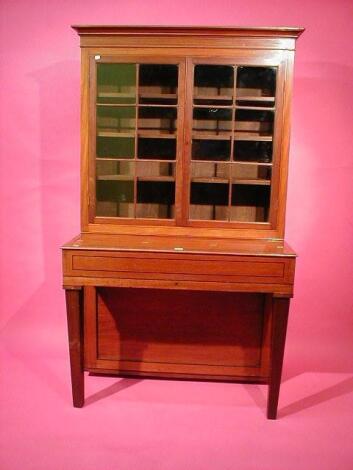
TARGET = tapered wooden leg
(74,324)
(280,309)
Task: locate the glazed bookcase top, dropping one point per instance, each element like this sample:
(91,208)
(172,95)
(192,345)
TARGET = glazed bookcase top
(185,129)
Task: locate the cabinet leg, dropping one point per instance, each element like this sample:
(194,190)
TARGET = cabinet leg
(74,324)
(280,308)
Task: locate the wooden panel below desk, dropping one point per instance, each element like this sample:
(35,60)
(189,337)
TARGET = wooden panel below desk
(168,332)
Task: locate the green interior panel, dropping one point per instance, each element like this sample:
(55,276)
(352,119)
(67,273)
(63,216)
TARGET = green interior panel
(116,83)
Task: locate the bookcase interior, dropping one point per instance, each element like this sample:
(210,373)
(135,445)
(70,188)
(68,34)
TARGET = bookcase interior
(138,115)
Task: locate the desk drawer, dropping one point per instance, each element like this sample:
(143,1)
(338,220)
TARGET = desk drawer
(179,267)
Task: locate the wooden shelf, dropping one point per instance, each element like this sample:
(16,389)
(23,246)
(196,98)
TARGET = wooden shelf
(154,160)
(115,178)
(166,96)
(244,136)
(167,179)
(212,161)
(234,162)
(213,97)
(156,105)
(228,136)
(140,133)
(200,179)
(205,130)
(257,182)
(114,133)
(115,95)
(253,182)
(133,160)
(131,178)
(113,159)
(210,106)
(210,136)
(117,105)
(255,108)
(137,105)
(253,163)
(269,99)
(156,135)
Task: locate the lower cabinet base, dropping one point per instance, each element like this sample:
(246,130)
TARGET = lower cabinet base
(223,336)
(171,376)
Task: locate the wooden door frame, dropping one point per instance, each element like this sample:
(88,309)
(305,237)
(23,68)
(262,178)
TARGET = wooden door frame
(280,64)
(88,133)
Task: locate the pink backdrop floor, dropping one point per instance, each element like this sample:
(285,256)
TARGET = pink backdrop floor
(149,424)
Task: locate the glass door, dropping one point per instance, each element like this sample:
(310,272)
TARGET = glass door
(231,157)
(136,143)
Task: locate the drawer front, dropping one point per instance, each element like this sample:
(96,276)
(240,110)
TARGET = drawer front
(180,267)
(170,266)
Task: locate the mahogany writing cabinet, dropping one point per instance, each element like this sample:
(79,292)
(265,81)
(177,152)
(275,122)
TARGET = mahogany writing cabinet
(181,270)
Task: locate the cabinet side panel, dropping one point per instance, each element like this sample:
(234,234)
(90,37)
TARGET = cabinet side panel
(285,140)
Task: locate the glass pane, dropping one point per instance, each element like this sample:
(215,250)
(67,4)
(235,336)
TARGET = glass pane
(238,189)
(210,173)
(114,147)
(159,149)
(210,149)
(115,188)
(116,83)
(253,123)
(116,121)
(158,84)
(157,126)
(250,203)
(155,171)
(209,122)
(253,151)
(155,199)
(256,82)
(114,170)
(213,84)
(145,185)
(116,131)
(157,121)
(251,174)
(209,201)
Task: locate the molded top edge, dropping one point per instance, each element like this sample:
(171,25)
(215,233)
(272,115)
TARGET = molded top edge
(136,30)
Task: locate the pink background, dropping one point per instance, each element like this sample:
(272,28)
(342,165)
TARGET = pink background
(165,424)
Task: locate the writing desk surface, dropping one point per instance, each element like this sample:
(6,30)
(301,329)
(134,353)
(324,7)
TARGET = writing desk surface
(180,244)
